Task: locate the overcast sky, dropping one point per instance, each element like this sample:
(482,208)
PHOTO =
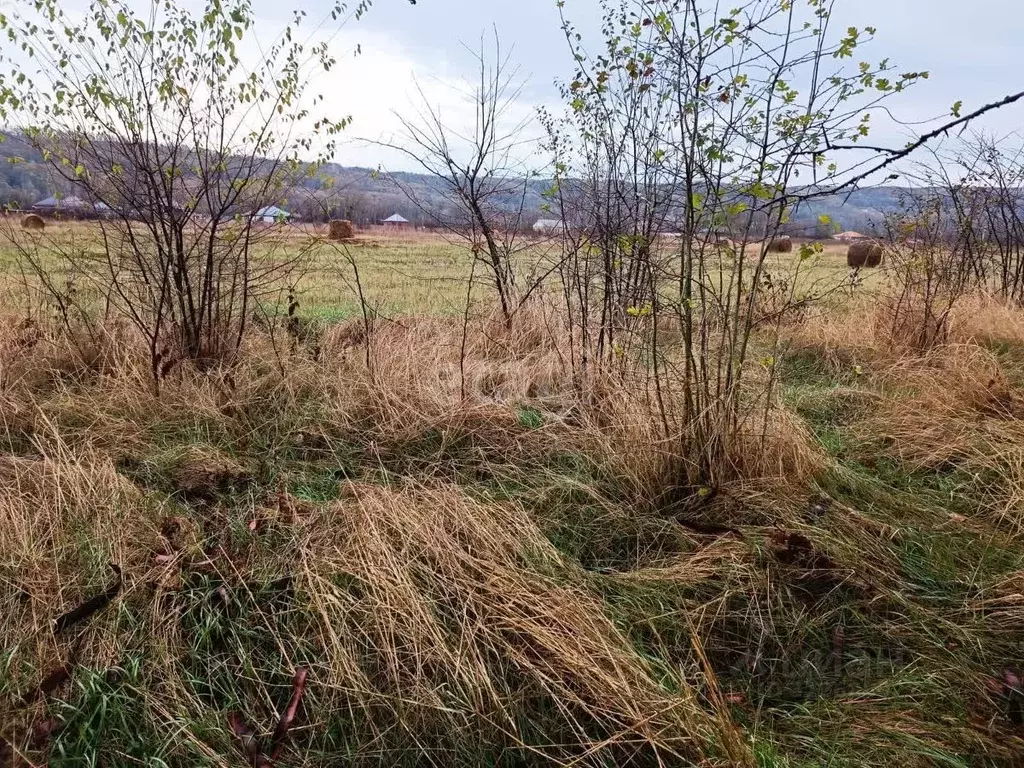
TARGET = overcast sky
(974,50)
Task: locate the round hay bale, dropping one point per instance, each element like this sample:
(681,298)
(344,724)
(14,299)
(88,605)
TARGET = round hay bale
(874,255)
(724,242)
(33,221)
(865,254)
(856,255)
(781,245)
(341,229)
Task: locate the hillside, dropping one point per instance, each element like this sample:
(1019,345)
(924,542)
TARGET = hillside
(365,195)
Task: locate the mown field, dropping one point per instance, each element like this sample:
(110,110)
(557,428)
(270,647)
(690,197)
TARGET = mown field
(411,272)
(429,545)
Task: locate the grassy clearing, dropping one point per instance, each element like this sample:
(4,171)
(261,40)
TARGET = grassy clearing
(402,273)
(506,578)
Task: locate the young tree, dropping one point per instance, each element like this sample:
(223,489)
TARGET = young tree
(177,127)
(711,125)
(993,171)
(479,169)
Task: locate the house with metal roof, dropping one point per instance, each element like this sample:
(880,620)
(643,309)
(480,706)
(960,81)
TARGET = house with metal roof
(548,225)
(271,214)
(850,237)
(70,205)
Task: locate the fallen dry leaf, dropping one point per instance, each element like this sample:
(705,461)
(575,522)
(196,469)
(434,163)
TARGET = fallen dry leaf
(90,606)
(250,744)
(281,732)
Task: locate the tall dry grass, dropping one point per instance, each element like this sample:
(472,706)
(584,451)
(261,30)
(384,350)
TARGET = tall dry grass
(952,408)
(435,624)
(480,562)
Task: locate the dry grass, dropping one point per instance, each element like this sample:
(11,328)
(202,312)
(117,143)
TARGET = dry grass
(402,272)
(480,564)
(466,624)
(420,273)
(433,622)
(987,320)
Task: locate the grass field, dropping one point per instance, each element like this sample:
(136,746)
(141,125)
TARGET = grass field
(446,558)
(410,273)
(414,272)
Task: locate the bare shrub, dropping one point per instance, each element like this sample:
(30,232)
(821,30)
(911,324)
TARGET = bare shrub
(160,150)
(654,141)
(993,178)
(482,178)
(933,264)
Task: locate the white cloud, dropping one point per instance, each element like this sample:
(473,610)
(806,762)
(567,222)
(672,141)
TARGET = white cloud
(384,82)
(972,50)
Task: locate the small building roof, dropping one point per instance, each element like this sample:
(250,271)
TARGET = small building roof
(274,212)
(395,219)
(62,202)
(547,224)
(850,235)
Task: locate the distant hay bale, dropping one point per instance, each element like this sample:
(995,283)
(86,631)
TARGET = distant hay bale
(724,242)
(341,229)
(874,255)
(865,254)
(857,255)
(33,221)
(781,245)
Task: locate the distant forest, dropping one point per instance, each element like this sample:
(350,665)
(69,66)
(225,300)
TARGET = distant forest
(24,177)
(365,197)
